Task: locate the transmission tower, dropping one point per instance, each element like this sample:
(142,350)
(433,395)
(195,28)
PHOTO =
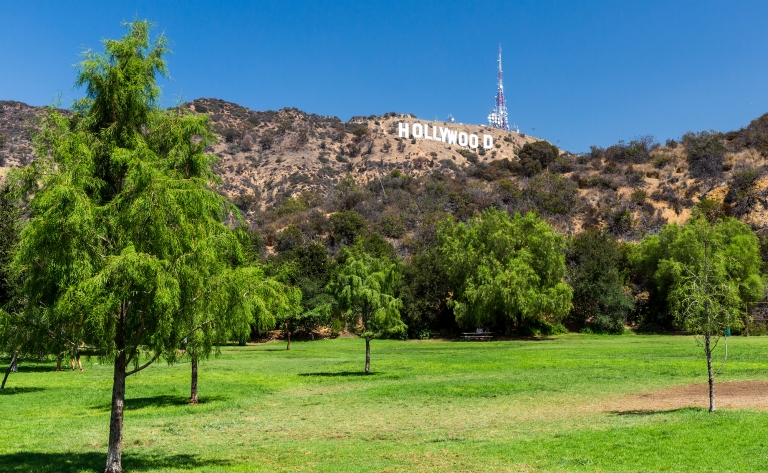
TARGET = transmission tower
(498,117)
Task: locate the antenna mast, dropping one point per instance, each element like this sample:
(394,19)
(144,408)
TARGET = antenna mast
(498,118)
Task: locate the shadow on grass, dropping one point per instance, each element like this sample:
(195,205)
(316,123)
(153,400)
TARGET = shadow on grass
(162,400)
(650,412)
(10,391)
(339,374)
(94,462)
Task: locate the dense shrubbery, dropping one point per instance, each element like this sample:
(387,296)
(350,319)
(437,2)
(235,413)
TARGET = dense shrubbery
(705,154)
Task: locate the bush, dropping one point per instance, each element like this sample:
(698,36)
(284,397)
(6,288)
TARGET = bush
(638,197)
(601,182)
(551,193)
(345,226)
(392,226)
(289,238)
(636,152)
(267,139)
(661,160)
(536,156)
(705,154)
(291,206)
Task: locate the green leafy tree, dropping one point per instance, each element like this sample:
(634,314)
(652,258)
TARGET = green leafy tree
(505,269)
(309,269)
(655,261)
(595,261)
(346,226)
(705,300)
(364,289)
(425,290)
(125,242)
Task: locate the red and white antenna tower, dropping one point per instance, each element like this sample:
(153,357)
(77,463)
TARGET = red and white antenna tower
(498,117)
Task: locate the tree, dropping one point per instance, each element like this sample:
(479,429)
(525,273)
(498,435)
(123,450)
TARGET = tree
(346,226)
(704,299)
(537,156)
(364,289)
(655,261)
(126,242)
(594,260)
(425,290)
(309,269)
(504,269)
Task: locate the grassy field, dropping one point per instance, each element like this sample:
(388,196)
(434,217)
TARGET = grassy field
(549,405)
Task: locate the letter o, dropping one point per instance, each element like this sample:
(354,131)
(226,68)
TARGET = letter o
(463,139)
(473,141)
(418,130)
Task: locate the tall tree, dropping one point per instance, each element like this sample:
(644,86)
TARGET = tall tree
(126,241)
(594,260)
(365,290)
(505,269)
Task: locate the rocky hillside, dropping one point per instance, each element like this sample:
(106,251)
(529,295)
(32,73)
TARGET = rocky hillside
(287,167)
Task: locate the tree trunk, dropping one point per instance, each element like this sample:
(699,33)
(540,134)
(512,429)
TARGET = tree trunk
(10,367)
(367,356)
(115,452)
(58,363)
(193,396)
(115,449)
(711,374)
(288,334)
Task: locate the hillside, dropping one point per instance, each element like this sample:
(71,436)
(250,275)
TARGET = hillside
(288,167)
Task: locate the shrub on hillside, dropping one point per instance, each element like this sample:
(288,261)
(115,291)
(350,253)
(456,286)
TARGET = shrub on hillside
(267,139)
(636,152)
(345,226)
(536,156)
(551,193)
(705,154)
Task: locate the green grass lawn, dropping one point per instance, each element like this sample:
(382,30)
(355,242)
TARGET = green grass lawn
(428,406)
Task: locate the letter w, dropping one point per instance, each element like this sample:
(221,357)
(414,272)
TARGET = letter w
(450,134)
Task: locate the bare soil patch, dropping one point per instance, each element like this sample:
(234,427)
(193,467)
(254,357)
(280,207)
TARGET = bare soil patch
(731,395)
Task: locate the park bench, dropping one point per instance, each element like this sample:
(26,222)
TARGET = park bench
(481,336)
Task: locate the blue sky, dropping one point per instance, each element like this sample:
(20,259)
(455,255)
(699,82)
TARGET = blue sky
(583,73)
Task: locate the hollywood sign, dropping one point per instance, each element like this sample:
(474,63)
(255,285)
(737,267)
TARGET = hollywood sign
(446,135)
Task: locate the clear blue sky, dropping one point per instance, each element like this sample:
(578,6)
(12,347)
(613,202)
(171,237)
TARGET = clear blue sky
(589,72)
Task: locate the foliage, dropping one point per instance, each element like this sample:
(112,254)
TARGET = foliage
(425,291)
(551,193)
(705,154)
(537,156)
(658,259)
(364,288)
(504,270)
(595,263)
(125,247)
(345,226)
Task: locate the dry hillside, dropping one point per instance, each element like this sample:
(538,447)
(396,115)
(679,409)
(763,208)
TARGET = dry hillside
(281,166)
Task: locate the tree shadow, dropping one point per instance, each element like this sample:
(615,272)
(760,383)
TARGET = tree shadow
(650,412)
(94,462)
(10,391)
(163,400)
(339,374)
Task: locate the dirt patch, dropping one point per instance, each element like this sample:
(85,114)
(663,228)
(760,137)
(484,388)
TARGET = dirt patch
(731,395)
